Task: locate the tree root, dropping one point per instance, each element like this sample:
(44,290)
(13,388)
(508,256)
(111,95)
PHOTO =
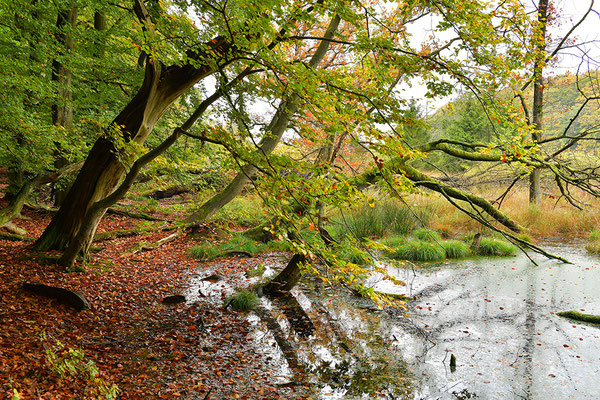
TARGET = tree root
(143,246)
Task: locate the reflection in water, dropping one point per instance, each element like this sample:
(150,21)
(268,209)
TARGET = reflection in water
(495,315)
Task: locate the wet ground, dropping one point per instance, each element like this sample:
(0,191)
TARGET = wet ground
(496,316)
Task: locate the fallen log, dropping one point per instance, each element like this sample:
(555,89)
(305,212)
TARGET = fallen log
(578,316)
(65,296)
(136,215)
(16,238)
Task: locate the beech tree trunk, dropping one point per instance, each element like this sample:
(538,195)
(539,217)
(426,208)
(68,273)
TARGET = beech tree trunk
(102,170)
(274,132)
(62,109)
(538,98)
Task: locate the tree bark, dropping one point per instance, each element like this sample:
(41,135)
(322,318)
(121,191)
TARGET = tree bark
(62,108)
(287,278)
(102,170)
(538,98)
(274,132)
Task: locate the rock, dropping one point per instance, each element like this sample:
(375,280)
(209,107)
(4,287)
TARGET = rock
(174,299)
(65,296)
(212,278)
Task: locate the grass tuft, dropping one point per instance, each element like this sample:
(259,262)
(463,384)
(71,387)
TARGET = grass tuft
(244,300)
(426,235)
(456,249)
(416,250)
(495,247)
(204,251)
(384,219)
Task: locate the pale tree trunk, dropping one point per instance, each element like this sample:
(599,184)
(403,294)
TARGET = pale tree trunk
(538,98)
(273,134)
(102,170)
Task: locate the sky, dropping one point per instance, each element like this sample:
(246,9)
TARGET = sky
(570,11)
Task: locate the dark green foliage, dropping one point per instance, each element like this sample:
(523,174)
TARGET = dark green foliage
(495,247)
(244,300)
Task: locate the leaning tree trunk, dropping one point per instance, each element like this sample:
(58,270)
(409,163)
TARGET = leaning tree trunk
(274,130)
(287,278)
(102,170)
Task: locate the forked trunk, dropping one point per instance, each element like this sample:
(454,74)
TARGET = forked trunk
(102,170)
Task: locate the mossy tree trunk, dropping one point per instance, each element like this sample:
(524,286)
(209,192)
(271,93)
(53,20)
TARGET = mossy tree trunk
(102,170)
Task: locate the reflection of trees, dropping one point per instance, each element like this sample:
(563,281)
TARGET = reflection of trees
(360,363)
(525,325)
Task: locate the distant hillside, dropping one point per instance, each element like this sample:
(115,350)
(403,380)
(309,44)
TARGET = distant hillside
(563,96)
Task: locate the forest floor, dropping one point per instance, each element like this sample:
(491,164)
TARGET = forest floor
(191,350)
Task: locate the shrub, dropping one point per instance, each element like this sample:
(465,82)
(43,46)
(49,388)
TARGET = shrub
(419,251)
(495,247)
(456,249)
(426,235)
(243,300)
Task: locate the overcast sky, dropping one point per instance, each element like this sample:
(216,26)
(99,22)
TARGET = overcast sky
(571,12)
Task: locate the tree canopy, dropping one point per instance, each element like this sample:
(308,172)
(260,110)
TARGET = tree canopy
(219,84)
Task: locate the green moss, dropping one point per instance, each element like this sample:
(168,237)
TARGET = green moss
(258,271)
(243,300)
(419,251)
(456,249)
(495,247)
(576,315)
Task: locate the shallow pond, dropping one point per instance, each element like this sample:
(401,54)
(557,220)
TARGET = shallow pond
(495,315)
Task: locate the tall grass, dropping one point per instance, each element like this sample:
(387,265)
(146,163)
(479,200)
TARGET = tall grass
(383,219)
(416,250)
(551,218)
(426,235)
(456,249)
(495,247)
